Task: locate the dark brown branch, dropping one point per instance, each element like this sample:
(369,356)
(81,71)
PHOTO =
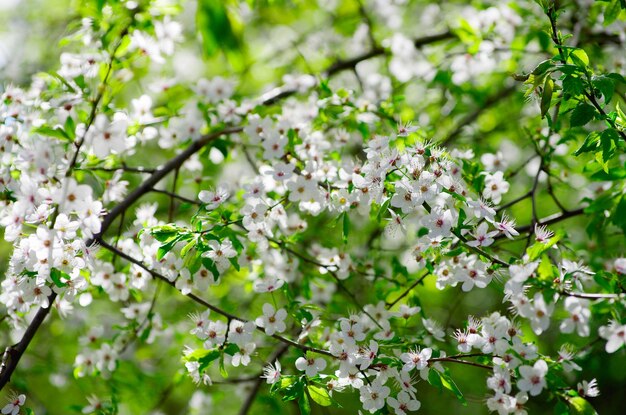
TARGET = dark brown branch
(12,354)
(557,217)
(9,364)
(175,196)
(408,290)
(277,94)
(592,296)
(559,45)
(342,65)
(124,168)
(156,177)
(206,304)
(462,362)
(245,408)
(472,116)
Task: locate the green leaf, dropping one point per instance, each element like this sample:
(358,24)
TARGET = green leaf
(610,140)
(63,81)
(168,246)
(346,227)
(216,27)
(621,117)
(591,143)
(52,132)
(319,395)
(223,371)
(580,58)
(605,85)
(561,409)
(611,12)
(539,248)
(235,263)
(449,384)
(163,233)
(56,275)
(572,86)
(383,210)
(70,128)
(231,349)
(187,248)
(619,216)
(617,173)
(284,383)
(434,379)
(582,114)
(544,67)
(546,270)
(546,96)
(604,164)
(580,406)
(205,357)
(304,404)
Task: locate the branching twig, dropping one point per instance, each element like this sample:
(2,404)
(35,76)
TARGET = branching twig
(12,354)
(204,303)
(175,196)
(472,116)
(247,404)
(408,290)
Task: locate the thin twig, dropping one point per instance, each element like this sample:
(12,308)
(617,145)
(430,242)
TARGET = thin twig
(245,408)
(206,304)
(472,116)
(408,290)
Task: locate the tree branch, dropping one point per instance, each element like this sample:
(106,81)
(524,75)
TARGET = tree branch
(472,116)
(557,217)
(408,290)
(245,408)
(9,362)
(12,354)
(206,304)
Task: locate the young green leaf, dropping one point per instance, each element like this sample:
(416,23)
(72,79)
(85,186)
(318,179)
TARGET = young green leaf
(582,114)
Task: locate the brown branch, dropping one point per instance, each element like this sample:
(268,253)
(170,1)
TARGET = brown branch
(123,168)
(156,177)
(9,363)
(342,65)
(462,362)
(245,408)
(592,296)
(472,116)
(175,196)
(408,290)
(12,354)
(206,304)
(559,45)
(557,217)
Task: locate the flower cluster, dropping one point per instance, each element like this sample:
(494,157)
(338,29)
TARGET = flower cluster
(326,228)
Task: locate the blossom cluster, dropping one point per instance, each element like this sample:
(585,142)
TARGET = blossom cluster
(303,222)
